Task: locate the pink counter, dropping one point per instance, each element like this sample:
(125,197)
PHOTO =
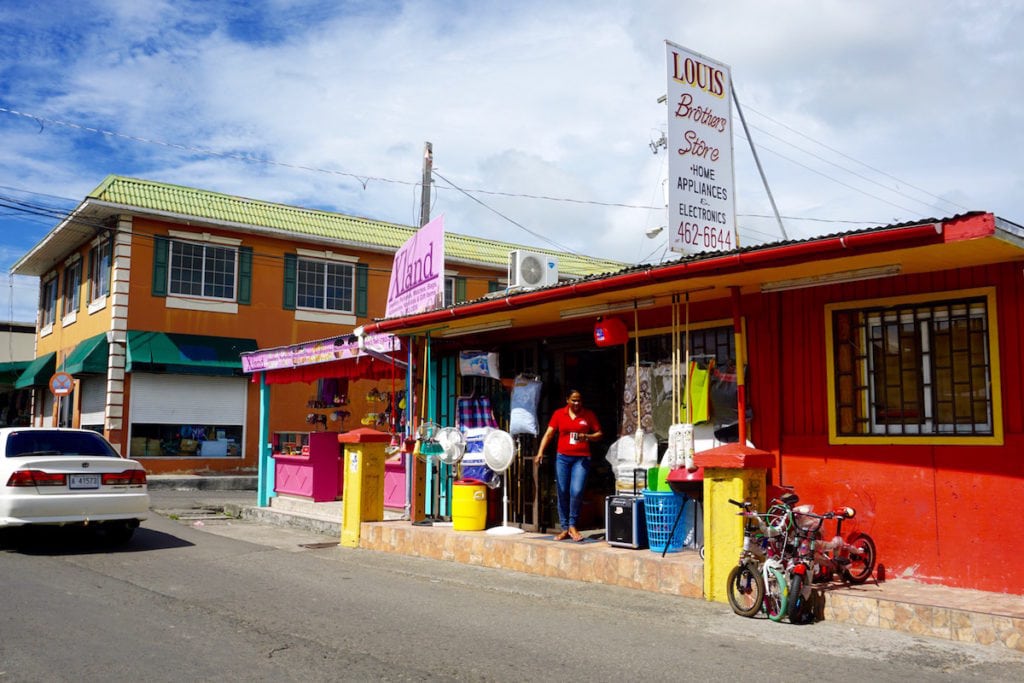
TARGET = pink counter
(317,476)
(394,484)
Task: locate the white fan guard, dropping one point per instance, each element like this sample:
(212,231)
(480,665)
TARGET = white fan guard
(453,445)
(532,270)
(499,451)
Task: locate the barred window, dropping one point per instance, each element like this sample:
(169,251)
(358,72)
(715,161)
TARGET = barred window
(913,369)
(325,285)
(203,270)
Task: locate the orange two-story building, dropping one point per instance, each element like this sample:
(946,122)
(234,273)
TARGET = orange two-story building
(149,292)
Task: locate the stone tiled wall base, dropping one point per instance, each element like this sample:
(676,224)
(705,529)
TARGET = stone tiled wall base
(675,574)
(935,621)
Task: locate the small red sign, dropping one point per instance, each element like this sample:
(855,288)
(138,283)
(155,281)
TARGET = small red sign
(61,384)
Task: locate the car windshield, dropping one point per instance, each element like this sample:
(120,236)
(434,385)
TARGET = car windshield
(55,442)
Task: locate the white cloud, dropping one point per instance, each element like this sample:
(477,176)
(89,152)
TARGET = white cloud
(529,98)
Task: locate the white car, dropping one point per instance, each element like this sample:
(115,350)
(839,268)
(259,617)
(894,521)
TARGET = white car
(58,477)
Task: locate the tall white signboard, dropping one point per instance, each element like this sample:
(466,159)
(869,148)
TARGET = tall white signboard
(701,207)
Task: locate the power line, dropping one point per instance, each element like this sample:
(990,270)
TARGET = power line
(842,168)
(513,222)
(846,156)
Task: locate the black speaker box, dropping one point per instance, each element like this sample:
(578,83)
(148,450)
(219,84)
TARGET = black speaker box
(625,522)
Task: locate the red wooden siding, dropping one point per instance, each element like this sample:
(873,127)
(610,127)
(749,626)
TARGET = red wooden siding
(927,506)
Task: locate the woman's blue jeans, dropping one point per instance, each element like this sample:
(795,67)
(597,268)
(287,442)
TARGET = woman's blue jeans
(571,476)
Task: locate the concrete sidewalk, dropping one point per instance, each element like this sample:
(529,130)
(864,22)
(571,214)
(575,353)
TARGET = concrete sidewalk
(936,611)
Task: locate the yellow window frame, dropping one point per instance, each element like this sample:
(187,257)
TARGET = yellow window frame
(994,439)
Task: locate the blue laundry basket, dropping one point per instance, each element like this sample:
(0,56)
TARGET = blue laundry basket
(662,509)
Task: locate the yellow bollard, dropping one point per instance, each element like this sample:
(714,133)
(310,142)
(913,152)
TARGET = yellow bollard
(363,489)
(731,471)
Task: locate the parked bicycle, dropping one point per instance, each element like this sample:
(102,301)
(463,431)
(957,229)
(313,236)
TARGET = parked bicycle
(813,559)
(758,581)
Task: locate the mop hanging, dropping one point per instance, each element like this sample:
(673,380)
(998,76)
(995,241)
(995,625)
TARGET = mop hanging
(638,437)
(687,432)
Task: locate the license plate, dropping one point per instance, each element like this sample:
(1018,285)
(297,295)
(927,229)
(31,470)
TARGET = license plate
(83,481)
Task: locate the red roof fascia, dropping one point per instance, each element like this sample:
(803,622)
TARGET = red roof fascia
(966,227)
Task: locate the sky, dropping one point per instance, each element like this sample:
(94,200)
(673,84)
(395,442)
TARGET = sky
(543,115)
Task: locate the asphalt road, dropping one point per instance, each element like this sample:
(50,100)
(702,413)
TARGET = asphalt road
(217,599)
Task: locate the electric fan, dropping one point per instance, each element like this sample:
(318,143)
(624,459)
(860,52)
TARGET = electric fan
(429,449)
(499,452)
(453,445)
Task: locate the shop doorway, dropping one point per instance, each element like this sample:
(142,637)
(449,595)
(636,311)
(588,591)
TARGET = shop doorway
(598,375)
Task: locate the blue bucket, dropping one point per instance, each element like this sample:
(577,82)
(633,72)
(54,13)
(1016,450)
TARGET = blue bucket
(662,511)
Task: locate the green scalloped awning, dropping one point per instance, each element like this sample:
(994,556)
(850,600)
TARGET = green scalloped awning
(89,357)
(195,353)
(38,372)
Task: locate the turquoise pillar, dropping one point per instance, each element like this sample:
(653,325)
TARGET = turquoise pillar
(265,471)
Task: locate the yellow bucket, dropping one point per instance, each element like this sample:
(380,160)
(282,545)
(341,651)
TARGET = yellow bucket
(469,505)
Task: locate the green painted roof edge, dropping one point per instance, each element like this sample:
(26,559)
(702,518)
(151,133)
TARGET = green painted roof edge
(215,206)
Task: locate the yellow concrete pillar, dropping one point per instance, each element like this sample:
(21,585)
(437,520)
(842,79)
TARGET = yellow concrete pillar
(363,487)
(740,473)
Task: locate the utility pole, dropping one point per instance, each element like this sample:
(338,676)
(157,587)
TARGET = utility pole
(428,166)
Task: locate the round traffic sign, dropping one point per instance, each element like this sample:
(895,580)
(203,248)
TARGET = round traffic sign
(61,383)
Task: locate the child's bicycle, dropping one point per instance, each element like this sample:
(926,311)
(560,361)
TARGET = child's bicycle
(814,559)
(758,580)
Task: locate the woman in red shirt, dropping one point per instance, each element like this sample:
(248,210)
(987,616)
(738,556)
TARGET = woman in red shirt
(576,427)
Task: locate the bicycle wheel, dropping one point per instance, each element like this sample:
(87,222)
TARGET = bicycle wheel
(745,590)
(862,562)
(776,594)
(798,603)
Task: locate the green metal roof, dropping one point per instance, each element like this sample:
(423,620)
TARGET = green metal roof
(213,206)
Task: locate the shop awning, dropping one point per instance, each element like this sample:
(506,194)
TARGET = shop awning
(373,357)
(38,372)
(11,371)
(365,367)
(90,356)
(186,353)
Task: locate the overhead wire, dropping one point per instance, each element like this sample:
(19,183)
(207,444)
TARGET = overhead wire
(853,159)
(510,220)
(836,165)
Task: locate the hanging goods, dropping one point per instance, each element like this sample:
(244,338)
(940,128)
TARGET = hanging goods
(680,435)
(473,465)
(638,437)
(499,452)
(621,456)
(525,396)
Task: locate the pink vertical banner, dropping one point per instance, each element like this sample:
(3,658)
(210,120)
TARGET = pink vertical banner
(417,273)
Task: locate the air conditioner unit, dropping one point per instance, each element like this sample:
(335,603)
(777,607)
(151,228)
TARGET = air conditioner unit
(530,269)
